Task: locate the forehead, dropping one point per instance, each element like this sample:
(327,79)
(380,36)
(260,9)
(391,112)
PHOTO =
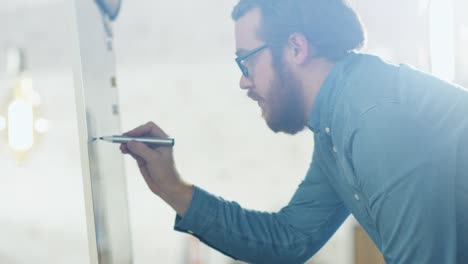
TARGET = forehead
(246,29)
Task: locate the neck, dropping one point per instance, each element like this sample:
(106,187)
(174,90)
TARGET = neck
(312,78)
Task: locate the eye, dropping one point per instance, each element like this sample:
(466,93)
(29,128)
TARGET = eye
(245,62)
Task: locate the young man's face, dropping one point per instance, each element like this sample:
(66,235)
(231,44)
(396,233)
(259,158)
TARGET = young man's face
(271,83)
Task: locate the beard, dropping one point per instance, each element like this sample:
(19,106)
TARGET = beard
(285,111)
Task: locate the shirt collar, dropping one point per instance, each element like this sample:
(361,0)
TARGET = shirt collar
(320,108)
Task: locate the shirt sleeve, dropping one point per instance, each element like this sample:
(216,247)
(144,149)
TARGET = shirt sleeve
(405,167)
(291,235)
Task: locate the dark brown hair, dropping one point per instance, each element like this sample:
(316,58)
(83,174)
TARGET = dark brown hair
(332,27)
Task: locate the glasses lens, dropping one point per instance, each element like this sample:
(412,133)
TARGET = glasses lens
(242,67)
(244,70)
(242,58)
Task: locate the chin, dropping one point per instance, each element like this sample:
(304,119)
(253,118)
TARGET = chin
(286,127)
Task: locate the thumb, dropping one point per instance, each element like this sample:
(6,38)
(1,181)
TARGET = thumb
(141,150)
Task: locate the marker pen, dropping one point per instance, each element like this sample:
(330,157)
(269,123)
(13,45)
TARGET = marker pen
(166,142)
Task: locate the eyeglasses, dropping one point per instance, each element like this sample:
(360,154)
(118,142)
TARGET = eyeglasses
(241,59)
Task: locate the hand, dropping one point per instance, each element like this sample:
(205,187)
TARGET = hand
(158,169)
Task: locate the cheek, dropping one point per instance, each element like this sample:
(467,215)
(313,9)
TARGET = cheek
(264,80)
(265,90)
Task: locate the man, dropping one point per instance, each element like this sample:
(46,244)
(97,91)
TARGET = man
(391,144)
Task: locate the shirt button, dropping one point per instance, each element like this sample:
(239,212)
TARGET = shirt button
(334,149)
(327,129)
(356,196)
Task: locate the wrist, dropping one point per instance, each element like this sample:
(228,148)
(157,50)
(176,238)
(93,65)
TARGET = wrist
(178,197)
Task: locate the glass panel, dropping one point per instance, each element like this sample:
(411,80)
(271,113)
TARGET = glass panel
(98,115)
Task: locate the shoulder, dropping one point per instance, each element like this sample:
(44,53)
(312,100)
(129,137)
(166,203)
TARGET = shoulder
(367,86)
(369,82)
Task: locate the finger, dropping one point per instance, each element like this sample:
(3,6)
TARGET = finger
(141,150)
(143,169)
(124,148)
(140,161)
(149,128)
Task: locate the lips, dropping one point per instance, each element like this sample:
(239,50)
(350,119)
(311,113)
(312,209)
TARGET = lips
(254,97)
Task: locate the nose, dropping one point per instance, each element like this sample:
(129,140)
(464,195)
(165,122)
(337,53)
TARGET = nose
(245,83)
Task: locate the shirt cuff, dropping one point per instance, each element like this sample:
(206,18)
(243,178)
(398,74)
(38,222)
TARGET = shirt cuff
(200,214)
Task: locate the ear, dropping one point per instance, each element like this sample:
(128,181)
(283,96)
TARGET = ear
(298,48)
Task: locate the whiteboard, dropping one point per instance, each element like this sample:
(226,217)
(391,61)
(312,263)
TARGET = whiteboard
(97,112)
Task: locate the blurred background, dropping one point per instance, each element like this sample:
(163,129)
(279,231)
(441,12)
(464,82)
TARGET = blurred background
(174,66)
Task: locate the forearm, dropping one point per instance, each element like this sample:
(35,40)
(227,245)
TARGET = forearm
(252,236)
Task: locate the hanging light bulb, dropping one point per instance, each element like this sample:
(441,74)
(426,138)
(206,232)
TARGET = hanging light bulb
(20,125)
(20,122)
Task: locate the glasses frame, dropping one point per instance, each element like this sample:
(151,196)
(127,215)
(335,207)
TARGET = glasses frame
(241,59)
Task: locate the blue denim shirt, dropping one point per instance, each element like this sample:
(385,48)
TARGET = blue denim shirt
(391,148)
